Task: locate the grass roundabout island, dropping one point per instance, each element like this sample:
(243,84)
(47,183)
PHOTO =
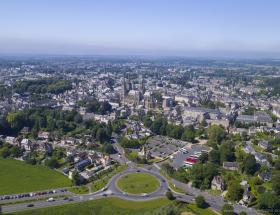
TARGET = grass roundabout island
(138,183)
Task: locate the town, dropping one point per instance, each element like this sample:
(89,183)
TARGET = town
(206,128)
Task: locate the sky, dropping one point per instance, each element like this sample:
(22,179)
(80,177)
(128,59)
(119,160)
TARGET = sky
(226,28)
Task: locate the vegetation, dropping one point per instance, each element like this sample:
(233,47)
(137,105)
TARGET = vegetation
(200,202)
(103,177)
(180,174)
(137,183)
(227,210)
(94,106)
(235,191)
(121,207)
(201,175)
(79,190)
(54,86)
(59,123)
(32,178)
(169,195)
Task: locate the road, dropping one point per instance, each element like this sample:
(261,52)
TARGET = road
(111,189)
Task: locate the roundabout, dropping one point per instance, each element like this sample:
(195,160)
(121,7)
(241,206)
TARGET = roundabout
(138,183)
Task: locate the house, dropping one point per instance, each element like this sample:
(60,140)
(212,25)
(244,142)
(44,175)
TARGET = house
(261,158)
(249,149)
(265,176)
(265,145)
(44,135)
(11,140)
(231,165)
(26,144)
(82,164)
(218,183)
(248,197)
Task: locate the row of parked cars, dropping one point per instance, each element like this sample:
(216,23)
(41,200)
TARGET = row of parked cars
(27,195)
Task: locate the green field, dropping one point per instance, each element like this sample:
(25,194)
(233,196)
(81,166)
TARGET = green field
(118,207)
(19,177)
(137,183)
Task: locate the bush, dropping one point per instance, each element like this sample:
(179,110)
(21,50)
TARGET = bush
(200,202)
(169,195)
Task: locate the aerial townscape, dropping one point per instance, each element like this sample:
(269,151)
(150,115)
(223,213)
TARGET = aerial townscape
(144,107)
(82,128)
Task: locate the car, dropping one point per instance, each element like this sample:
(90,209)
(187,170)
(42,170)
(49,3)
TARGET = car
(30,205)
(50,200)
(104,194)
(70,200)
(66,198)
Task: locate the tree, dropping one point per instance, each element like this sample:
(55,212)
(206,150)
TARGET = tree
(200,202)
(216,133)
(16,120)
(227,210)
(235,191)
(108,148)
(189,134)
(227,152)
(269,201)
(76,179)
(169,195)
(202,175)
(52,163)
(5,152)
(275,180)
(203,158)
(214,156)
(250,165)
(101,135)
(16,151)
(277,164)
(169,170)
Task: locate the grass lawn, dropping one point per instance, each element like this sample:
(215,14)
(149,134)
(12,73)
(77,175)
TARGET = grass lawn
(79,190)
(19,177)
(117,207)
(137,183)
(199,211)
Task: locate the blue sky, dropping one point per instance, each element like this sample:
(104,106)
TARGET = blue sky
(152,27)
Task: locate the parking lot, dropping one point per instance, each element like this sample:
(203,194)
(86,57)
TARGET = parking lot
(178,159)
(162,147)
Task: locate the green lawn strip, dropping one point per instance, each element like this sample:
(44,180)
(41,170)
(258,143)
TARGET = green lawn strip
(102,206)
(137,183)
(117,206)
(215,192)
(102,182)
(19,177)
(175,189)
(79,190)
(199,211)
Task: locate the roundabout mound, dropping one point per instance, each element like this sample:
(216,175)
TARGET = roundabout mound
(138,183)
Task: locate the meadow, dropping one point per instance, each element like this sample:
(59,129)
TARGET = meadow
(19,177)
